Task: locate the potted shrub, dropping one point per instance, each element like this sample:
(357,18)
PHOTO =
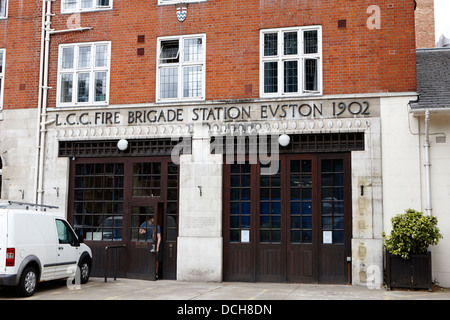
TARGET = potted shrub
(408,261)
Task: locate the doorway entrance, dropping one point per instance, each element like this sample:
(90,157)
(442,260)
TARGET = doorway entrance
(127,201)
(293,225)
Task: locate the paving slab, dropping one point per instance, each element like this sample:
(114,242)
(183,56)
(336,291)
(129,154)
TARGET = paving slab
(129,289)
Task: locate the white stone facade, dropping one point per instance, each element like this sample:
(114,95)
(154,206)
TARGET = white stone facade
(387,177)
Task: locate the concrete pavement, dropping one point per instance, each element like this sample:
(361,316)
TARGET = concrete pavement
(128,289)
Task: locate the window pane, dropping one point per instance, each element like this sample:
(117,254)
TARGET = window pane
(192,82)
(310,42)
(290,43)
(147,179)
(270,211)
(169,51)
(169,83)
(70,4)
(240,202)
(270,44)
(83,87)
(66,87)
(98,205)
(291,76)
(101,55)
(307,236)
(86,4)
(1,62)
(311,74)
(338,236)
(193,49)
(3,8)
(84,59)
(67,58)
(270,77)
(102,3)
(100,86)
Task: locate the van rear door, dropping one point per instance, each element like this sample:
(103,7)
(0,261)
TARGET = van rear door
(3,232)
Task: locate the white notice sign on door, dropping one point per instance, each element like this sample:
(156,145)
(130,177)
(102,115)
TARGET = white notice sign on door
(327,237)
(245,236)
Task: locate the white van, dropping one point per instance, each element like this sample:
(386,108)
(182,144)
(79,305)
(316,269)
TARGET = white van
(39,246)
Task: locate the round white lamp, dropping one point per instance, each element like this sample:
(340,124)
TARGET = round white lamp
(122,144)
(284,140)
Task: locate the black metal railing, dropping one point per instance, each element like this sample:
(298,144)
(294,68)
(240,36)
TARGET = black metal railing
(115,259)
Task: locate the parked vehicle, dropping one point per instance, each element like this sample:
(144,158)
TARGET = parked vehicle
(39,246)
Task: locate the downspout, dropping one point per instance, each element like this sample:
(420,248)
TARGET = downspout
(38,118)
(427,163)
(43,115)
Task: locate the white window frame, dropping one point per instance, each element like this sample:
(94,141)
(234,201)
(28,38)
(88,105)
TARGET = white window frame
(5,15)
(181,65)
(2,77)
(167,2)
(76,70)
(78,6)
(280,58)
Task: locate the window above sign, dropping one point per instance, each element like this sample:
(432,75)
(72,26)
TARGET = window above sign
(291,63)
(83,74)
(181,68)
(71,6)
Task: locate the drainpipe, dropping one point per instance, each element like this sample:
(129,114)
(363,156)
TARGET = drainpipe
(38,117)
(42,103)
(427,163)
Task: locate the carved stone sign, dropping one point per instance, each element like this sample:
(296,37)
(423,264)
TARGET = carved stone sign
(285,110)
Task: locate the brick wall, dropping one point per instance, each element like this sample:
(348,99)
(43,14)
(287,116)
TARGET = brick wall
(356,59)
(425,29)
(20,36)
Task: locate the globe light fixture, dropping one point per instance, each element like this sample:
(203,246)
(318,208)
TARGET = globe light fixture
(284,140)
(122,144)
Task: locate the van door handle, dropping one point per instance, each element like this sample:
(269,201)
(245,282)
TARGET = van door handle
(60,248)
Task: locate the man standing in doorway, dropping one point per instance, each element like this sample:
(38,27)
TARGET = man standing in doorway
(147,227)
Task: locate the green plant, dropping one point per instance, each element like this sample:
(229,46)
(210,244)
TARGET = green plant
(412,233)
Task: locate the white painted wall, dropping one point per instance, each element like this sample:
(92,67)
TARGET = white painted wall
(404,183)
(400,158)
(440,191)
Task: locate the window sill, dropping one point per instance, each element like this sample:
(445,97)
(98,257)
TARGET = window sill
(86,11)
(75,106)
(282,96)
(181,101)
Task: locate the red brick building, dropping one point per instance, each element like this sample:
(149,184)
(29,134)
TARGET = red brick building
(92,72)
(425,28)
(355,59)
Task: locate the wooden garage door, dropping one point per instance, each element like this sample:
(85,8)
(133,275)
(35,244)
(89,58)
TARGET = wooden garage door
(292,225)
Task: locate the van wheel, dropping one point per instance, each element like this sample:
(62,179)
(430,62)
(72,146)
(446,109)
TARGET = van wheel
(84,270)
(27,283)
